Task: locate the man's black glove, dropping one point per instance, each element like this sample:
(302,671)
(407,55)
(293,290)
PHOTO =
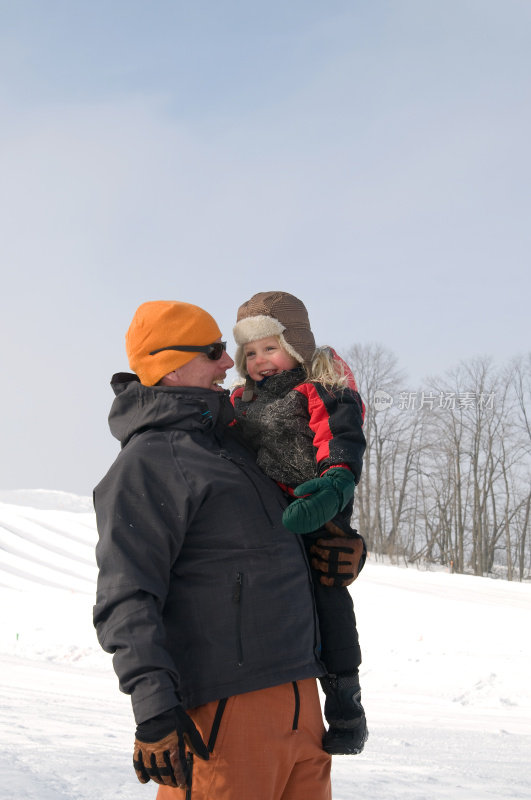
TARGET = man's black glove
(160,753)
(339,557)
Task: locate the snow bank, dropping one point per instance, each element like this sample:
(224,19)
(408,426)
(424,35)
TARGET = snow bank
(445,676)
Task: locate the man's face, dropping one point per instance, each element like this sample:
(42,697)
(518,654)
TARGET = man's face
(201,371)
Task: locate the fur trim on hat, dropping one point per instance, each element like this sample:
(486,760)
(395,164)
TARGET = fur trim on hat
(251,329)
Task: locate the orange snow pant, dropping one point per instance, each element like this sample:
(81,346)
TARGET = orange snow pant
(264,745)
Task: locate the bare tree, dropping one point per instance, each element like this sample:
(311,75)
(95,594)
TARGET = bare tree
(376,371)
(447,480)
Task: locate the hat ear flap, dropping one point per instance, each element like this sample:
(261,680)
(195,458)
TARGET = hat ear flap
(290,350)
(248,392)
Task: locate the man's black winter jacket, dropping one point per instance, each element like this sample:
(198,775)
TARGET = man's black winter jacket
(202,593)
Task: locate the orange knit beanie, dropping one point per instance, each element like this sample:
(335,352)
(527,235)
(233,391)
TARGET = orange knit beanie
(161,323)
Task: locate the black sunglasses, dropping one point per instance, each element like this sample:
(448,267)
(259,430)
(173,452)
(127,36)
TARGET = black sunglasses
(213,351)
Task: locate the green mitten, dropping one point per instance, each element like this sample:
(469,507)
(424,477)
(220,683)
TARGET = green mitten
(327,495)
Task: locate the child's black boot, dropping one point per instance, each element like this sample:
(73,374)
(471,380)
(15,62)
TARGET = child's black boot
(344,713)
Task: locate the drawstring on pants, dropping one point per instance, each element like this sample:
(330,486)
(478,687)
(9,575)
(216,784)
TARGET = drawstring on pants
(189,775)
(296,692)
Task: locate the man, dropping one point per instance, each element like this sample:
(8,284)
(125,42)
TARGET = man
(204,597)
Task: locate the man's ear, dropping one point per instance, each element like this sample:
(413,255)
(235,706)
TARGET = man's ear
(171,379)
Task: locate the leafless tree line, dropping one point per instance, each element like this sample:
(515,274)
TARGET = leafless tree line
(447,472)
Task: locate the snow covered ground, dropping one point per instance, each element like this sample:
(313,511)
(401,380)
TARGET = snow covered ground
(446,676)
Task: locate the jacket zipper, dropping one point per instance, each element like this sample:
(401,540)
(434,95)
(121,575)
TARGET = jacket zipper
(316,648)
(237,598)
(225,455)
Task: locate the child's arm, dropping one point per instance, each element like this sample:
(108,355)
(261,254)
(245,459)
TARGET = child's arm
(335,419)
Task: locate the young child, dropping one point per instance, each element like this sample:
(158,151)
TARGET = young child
(302,414)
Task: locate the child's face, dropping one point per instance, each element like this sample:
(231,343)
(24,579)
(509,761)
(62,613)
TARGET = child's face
(265,357)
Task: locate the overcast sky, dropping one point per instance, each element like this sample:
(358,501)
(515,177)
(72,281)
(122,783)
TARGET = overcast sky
(370,156)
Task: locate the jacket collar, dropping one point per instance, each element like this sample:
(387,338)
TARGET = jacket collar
(282,382)
(137,407)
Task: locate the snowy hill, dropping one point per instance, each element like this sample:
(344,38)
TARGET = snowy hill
(46,546)
(445,676)
(45,498)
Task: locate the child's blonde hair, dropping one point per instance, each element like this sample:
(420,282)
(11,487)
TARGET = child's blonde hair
(325,368)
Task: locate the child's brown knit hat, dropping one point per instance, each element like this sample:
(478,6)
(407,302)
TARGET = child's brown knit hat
(274,314)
